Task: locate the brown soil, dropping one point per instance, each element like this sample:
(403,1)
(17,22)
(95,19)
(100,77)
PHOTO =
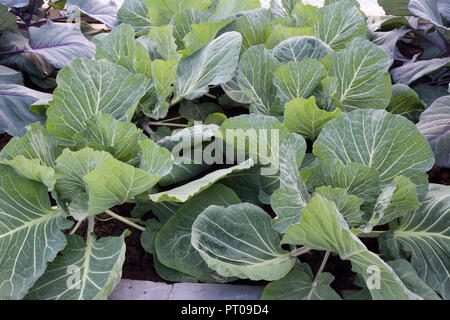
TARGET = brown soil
(408,50)
(440,176)
(4,139)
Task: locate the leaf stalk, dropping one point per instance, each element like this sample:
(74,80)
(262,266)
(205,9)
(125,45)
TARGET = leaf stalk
(124,220)
(167,124)
(316,278)
(175,101)
(372,234)
(77,226)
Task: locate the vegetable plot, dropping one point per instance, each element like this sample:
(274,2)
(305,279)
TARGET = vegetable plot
(252,135)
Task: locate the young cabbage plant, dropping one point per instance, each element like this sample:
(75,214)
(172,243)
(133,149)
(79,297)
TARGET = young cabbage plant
(370,170)
(423,26)
(418,40)
(33,47)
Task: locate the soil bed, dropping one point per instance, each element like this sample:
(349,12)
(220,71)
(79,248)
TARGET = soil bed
(4,139)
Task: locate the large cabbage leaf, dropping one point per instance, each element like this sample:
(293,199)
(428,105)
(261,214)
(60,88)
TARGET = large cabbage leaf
(30,233)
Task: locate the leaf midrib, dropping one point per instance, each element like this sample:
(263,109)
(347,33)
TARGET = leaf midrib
(51,214)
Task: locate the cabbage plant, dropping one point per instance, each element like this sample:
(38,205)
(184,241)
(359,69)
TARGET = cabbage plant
(418,40)
(423,25)
(332,167)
